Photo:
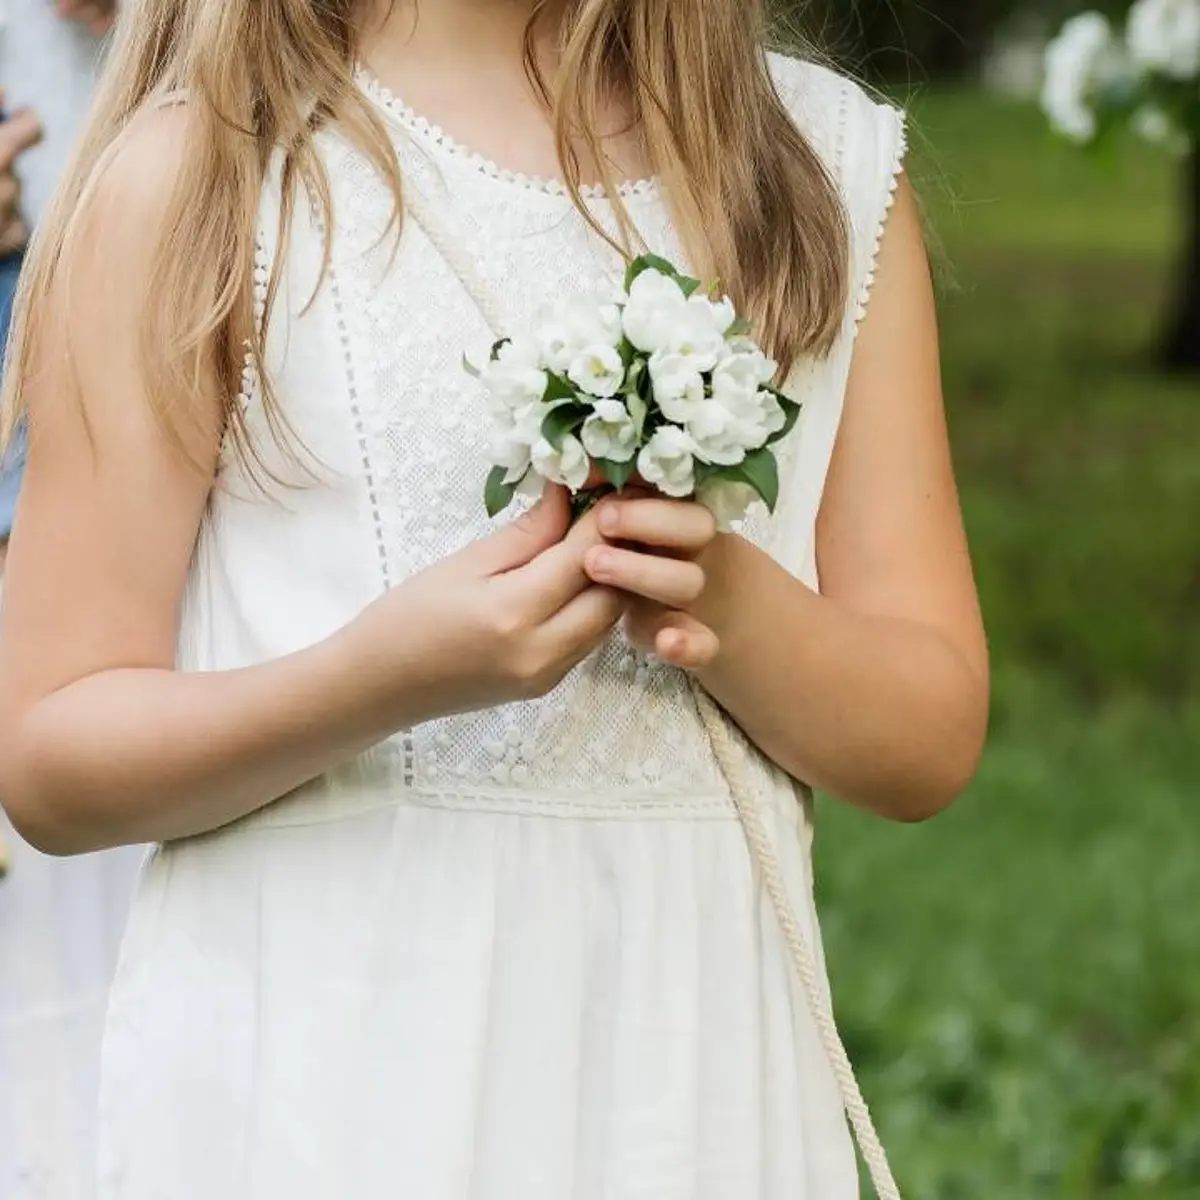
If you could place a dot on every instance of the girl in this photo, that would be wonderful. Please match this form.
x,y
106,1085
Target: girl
x,y
452,898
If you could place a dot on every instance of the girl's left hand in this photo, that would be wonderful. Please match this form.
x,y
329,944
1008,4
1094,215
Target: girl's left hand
x,y
658,550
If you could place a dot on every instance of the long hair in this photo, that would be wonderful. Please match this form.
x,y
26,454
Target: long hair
x,y
749,195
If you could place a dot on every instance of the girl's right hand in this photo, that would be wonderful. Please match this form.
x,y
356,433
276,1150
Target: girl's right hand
x,y
505,619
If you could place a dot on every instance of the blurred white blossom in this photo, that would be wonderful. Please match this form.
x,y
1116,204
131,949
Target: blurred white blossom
x,y
1081,61
1164,35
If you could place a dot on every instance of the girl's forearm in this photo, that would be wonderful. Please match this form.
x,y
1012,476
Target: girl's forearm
x,y
133,755
881,712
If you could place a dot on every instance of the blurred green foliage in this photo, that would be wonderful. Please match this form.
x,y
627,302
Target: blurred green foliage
x,y
903,39
1020,980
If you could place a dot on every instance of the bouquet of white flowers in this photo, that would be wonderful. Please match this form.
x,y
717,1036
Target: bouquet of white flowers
x,y
1097,79
661,382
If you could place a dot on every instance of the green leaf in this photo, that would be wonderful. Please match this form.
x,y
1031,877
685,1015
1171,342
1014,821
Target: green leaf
x,y
638,410
740,328
499,345
558,388
560,421
687,285
471,369
497,494
618,473
761,472
791,412
633,376
649,262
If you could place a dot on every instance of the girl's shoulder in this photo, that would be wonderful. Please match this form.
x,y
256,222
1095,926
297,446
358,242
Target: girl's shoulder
x,y
857,134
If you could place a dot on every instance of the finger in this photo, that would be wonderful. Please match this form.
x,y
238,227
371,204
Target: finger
x,y
556,576
98,16
520,542
677,583
675,637
14,236
10,194
669,524
573,632
19,132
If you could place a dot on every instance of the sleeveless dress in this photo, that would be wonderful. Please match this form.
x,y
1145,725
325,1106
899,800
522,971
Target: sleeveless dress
x,y
519,954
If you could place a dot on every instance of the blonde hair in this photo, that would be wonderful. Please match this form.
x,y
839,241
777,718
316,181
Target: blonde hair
x,y
750,196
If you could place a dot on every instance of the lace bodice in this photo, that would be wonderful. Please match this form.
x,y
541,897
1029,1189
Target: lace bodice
x,y
369,370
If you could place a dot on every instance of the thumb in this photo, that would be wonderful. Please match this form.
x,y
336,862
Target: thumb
x,y
18,132
543,526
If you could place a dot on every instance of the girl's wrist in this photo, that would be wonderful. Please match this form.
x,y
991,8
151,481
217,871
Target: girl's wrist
x,y
379,686
725,563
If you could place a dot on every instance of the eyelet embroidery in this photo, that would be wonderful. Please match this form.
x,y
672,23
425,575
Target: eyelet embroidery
x,y
416,124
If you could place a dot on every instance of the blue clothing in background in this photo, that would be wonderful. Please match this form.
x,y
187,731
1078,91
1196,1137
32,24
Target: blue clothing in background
x,y
10,468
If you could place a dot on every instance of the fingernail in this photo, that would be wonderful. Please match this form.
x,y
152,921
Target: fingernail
x,y
608,519
601,562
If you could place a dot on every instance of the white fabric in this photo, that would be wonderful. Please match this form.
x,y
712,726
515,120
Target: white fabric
x,y
517,955
60,926
60,920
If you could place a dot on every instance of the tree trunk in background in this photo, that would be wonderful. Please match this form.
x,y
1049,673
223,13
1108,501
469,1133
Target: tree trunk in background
x,y
1182,349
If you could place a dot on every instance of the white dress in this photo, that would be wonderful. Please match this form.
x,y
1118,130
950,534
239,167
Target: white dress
x,y
515,955
61,920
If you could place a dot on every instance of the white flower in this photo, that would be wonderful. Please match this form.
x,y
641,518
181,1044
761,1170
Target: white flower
x,y
725,433
597,370
574,328
1164,35
1079,62
514,432
740,375
569,466
721,312
511,453
698,337
678,386
718,434
610,432
772,418
654,312
727,500
514,378
667,461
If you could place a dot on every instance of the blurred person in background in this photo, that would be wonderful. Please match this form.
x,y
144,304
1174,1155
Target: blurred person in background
x,y
60,920
18,133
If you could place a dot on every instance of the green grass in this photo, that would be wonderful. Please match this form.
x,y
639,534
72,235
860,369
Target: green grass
x,y
1020,980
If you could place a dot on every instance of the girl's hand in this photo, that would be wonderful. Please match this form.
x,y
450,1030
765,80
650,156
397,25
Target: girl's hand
x,y
659,551
504,619
97,15
18,133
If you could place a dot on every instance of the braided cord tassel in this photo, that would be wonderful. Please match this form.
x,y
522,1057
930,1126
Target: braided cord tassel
x,y
803,960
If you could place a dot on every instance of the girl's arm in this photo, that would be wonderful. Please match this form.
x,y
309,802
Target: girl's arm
x,y
876,690
101,741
